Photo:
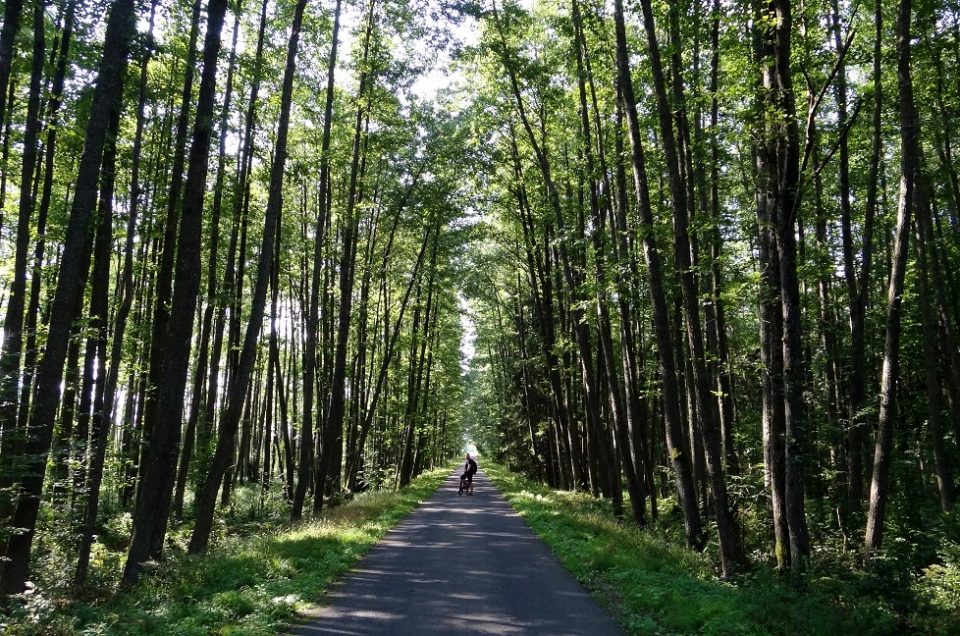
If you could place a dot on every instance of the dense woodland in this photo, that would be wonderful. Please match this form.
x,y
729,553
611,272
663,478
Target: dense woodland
x,y
696,258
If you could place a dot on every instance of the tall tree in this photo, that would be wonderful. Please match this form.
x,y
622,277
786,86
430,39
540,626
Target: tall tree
x,y
782,160
312,320
8,35
333,422
239,382
686,494
910,167
158,469
10,357
706,407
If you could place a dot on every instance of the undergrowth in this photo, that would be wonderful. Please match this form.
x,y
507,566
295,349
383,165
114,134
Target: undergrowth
x,y
654,585
250,584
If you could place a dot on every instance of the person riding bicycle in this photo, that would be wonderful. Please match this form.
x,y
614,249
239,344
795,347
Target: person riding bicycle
x,y
466,479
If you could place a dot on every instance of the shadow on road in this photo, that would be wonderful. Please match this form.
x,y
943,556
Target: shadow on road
x,y
460,565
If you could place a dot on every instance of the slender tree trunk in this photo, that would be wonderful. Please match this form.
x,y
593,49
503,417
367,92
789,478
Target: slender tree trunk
x,y
391,337
273,368
910,160
686,492
783,161
8,37
706,408
617,400
310,349
158,470
93,455
12,422
728,412
53,125
203,356
931,366
10,357
333,422
164,276
239,382
5,150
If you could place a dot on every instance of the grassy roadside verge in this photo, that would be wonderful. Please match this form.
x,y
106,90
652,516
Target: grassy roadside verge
x,y
651,585
254,585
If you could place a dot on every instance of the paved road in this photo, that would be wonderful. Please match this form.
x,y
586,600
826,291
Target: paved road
x,y
460,565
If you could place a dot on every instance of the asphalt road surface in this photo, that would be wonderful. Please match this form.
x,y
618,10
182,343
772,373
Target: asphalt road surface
x,y
460,565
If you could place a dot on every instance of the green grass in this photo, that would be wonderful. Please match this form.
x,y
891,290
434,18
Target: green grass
x,y
653,585
249,585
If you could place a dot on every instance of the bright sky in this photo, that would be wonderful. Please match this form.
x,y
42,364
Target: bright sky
x,y
468,332
441,76
426,88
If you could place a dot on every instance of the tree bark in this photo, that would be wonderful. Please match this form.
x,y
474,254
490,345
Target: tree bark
x,y
910,160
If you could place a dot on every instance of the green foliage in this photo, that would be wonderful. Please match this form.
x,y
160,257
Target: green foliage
x,y
255,584
653,585
940,583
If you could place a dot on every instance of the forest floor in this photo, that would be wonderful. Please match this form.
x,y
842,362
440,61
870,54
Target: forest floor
x,y
461,565
267,575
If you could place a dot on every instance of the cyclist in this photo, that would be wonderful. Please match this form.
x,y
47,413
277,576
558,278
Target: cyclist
x,y
466,479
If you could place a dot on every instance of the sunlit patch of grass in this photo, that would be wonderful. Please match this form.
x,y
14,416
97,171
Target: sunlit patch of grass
x,y
651,584
251,585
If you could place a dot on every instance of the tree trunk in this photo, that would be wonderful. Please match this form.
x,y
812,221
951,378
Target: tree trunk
x,y
238,387
333,422
728,412
312,319
13,322
158,468
203,355
164,276
910,160
94,453
53,125
8,38
931,366
12,422
617,399
686,492
782,159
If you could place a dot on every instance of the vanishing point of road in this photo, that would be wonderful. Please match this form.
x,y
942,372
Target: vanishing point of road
x,y
460,565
